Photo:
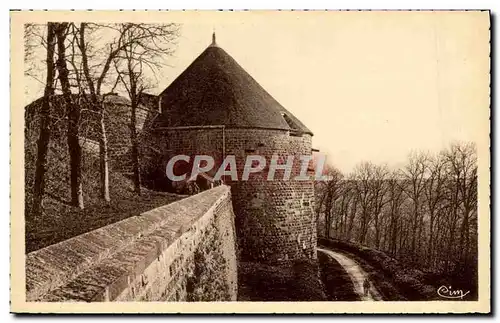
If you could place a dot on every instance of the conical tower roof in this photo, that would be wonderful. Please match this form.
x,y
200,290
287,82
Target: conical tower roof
x,y
216,90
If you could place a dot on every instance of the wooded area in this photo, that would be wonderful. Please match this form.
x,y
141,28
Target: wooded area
x,y
424,214
85,63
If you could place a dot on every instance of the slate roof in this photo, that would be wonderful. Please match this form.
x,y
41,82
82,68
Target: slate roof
x,y
216,90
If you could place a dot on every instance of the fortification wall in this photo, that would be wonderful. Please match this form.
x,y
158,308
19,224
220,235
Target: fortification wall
x,y
191,142
117,123
274,219
119,143
184,251
161,145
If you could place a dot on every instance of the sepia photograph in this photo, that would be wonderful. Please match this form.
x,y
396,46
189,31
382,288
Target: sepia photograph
x,y
250,161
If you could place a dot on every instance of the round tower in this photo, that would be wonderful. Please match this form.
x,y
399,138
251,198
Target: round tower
x,y
216,108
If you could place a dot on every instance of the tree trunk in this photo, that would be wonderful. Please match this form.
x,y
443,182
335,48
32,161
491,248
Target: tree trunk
x,y
45,124
451,237
464,228
352,217
449,248
103,156
377,232
327,222
414,231
73,110
344,213
394,235
328,213
430,246
135,147
364,227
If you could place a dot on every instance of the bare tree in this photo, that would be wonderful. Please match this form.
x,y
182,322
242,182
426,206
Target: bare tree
x,y
346,200
30,45
395,201
434,194
74,113
44,138
362,180
414,174
462,161
94,86
353,209
147,46
379,188
424,214
331,193
97,63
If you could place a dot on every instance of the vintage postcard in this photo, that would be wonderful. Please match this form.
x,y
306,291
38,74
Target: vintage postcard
x,y
250,162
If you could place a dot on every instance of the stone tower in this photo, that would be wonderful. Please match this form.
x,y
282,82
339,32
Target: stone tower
x,y
216,108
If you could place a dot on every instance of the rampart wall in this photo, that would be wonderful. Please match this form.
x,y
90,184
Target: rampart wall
x,y
184,251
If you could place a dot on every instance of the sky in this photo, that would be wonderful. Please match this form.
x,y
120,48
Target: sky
x,y
372,86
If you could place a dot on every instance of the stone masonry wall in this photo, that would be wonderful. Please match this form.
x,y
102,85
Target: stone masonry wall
x,y
162,145
274,219
191,142
184,251
119,143
117,122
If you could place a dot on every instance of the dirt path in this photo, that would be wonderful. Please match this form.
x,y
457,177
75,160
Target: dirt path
x,y
357,274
